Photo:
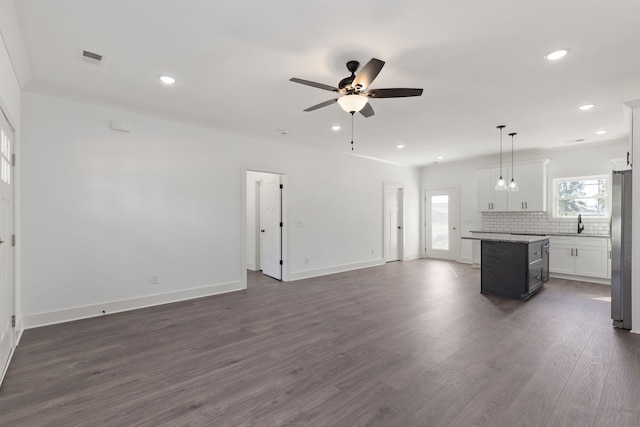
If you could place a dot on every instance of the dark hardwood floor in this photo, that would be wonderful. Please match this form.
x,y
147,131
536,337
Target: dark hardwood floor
x,y
406,344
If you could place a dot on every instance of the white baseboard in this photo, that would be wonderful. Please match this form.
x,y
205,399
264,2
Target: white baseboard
x,y
306,274
409,257
581,278
95,310
251,266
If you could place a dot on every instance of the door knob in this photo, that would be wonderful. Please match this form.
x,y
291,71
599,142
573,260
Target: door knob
x,y
399,228
262,231
454,228
1,241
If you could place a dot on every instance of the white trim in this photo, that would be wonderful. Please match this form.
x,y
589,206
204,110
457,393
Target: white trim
x,y
95,310
581,278
285,219
409,257
307,274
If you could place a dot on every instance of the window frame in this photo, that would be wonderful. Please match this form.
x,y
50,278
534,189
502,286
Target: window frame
x,y
555,182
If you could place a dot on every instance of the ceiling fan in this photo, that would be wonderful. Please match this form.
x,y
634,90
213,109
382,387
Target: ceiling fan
x,y
355,89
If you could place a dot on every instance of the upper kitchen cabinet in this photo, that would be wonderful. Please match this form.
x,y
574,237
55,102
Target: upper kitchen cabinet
x,y
532,194
531,197
490,200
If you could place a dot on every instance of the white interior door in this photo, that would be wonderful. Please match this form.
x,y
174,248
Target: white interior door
x,y
271,207
442,234
6,248
393,219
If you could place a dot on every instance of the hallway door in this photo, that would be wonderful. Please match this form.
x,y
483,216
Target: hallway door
x,y
271,226
393,219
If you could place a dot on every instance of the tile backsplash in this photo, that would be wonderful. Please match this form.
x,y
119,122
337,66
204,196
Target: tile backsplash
x,y
536,223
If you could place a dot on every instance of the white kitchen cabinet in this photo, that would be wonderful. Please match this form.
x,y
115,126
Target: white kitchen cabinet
x,y
531,197
579,256
561,255
490,200
532,194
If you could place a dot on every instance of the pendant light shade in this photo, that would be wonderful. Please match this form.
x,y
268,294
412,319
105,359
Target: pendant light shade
x,y
352,103
501,185
513,186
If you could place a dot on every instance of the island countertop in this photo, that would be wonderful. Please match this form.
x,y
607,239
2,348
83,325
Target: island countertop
x,y
513,238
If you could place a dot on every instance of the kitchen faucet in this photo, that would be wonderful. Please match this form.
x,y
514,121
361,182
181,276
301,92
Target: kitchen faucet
x,y
580,224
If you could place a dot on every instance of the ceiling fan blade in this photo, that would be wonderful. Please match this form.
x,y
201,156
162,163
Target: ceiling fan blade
x,y
367,111
368,73
322,104
314,84
393,93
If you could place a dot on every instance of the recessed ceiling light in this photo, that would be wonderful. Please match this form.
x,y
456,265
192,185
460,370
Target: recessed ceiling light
x,y
168,80
601,132
439,157
400,146
335,127
586,107
554,56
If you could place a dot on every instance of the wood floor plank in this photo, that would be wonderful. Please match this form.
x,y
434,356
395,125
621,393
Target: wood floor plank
x,y
408,344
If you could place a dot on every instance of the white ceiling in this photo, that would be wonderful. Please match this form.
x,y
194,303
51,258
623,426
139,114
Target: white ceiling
x,y
481,64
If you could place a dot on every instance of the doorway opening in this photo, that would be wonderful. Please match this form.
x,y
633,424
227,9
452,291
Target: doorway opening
x,y
265,223
441,223
393,233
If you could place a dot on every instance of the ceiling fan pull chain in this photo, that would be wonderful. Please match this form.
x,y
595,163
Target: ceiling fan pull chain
x,y
352,130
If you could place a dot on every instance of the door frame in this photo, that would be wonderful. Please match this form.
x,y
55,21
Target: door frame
x,y
398,186
285,235
455,193
16,330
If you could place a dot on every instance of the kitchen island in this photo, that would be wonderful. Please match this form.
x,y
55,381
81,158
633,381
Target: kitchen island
x,y
513,266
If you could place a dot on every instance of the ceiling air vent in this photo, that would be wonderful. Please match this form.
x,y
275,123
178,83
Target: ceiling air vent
x,y
91,57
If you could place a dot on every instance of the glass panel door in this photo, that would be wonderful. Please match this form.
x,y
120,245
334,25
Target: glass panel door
x,y
441,224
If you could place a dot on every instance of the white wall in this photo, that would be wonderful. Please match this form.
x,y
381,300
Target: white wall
x,y
104,210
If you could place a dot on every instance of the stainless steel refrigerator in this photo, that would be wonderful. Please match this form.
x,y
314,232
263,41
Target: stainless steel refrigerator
x,y
621,249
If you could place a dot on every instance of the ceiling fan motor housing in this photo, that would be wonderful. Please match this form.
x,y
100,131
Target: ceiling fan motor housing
x,y
352,66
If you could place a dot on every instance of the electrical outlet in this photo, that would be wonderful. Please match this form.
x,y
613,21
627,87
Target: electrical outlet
x,y
155,279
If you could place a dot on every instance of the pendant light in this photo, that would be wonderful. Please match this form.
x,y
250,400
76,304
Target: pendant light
x,y
501,185
512,185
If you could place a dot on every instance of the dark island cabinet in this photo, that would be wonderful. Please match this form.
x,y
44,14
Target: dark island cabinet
x,y
514,269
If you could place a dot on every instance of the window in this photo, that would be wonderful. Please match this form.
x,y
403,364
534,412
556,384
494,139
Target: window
x,y
5,156
440,222
585,195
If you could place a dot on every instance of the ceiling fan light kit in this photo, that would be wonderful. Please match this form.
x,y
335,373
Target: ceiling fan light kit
x,y
352,103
